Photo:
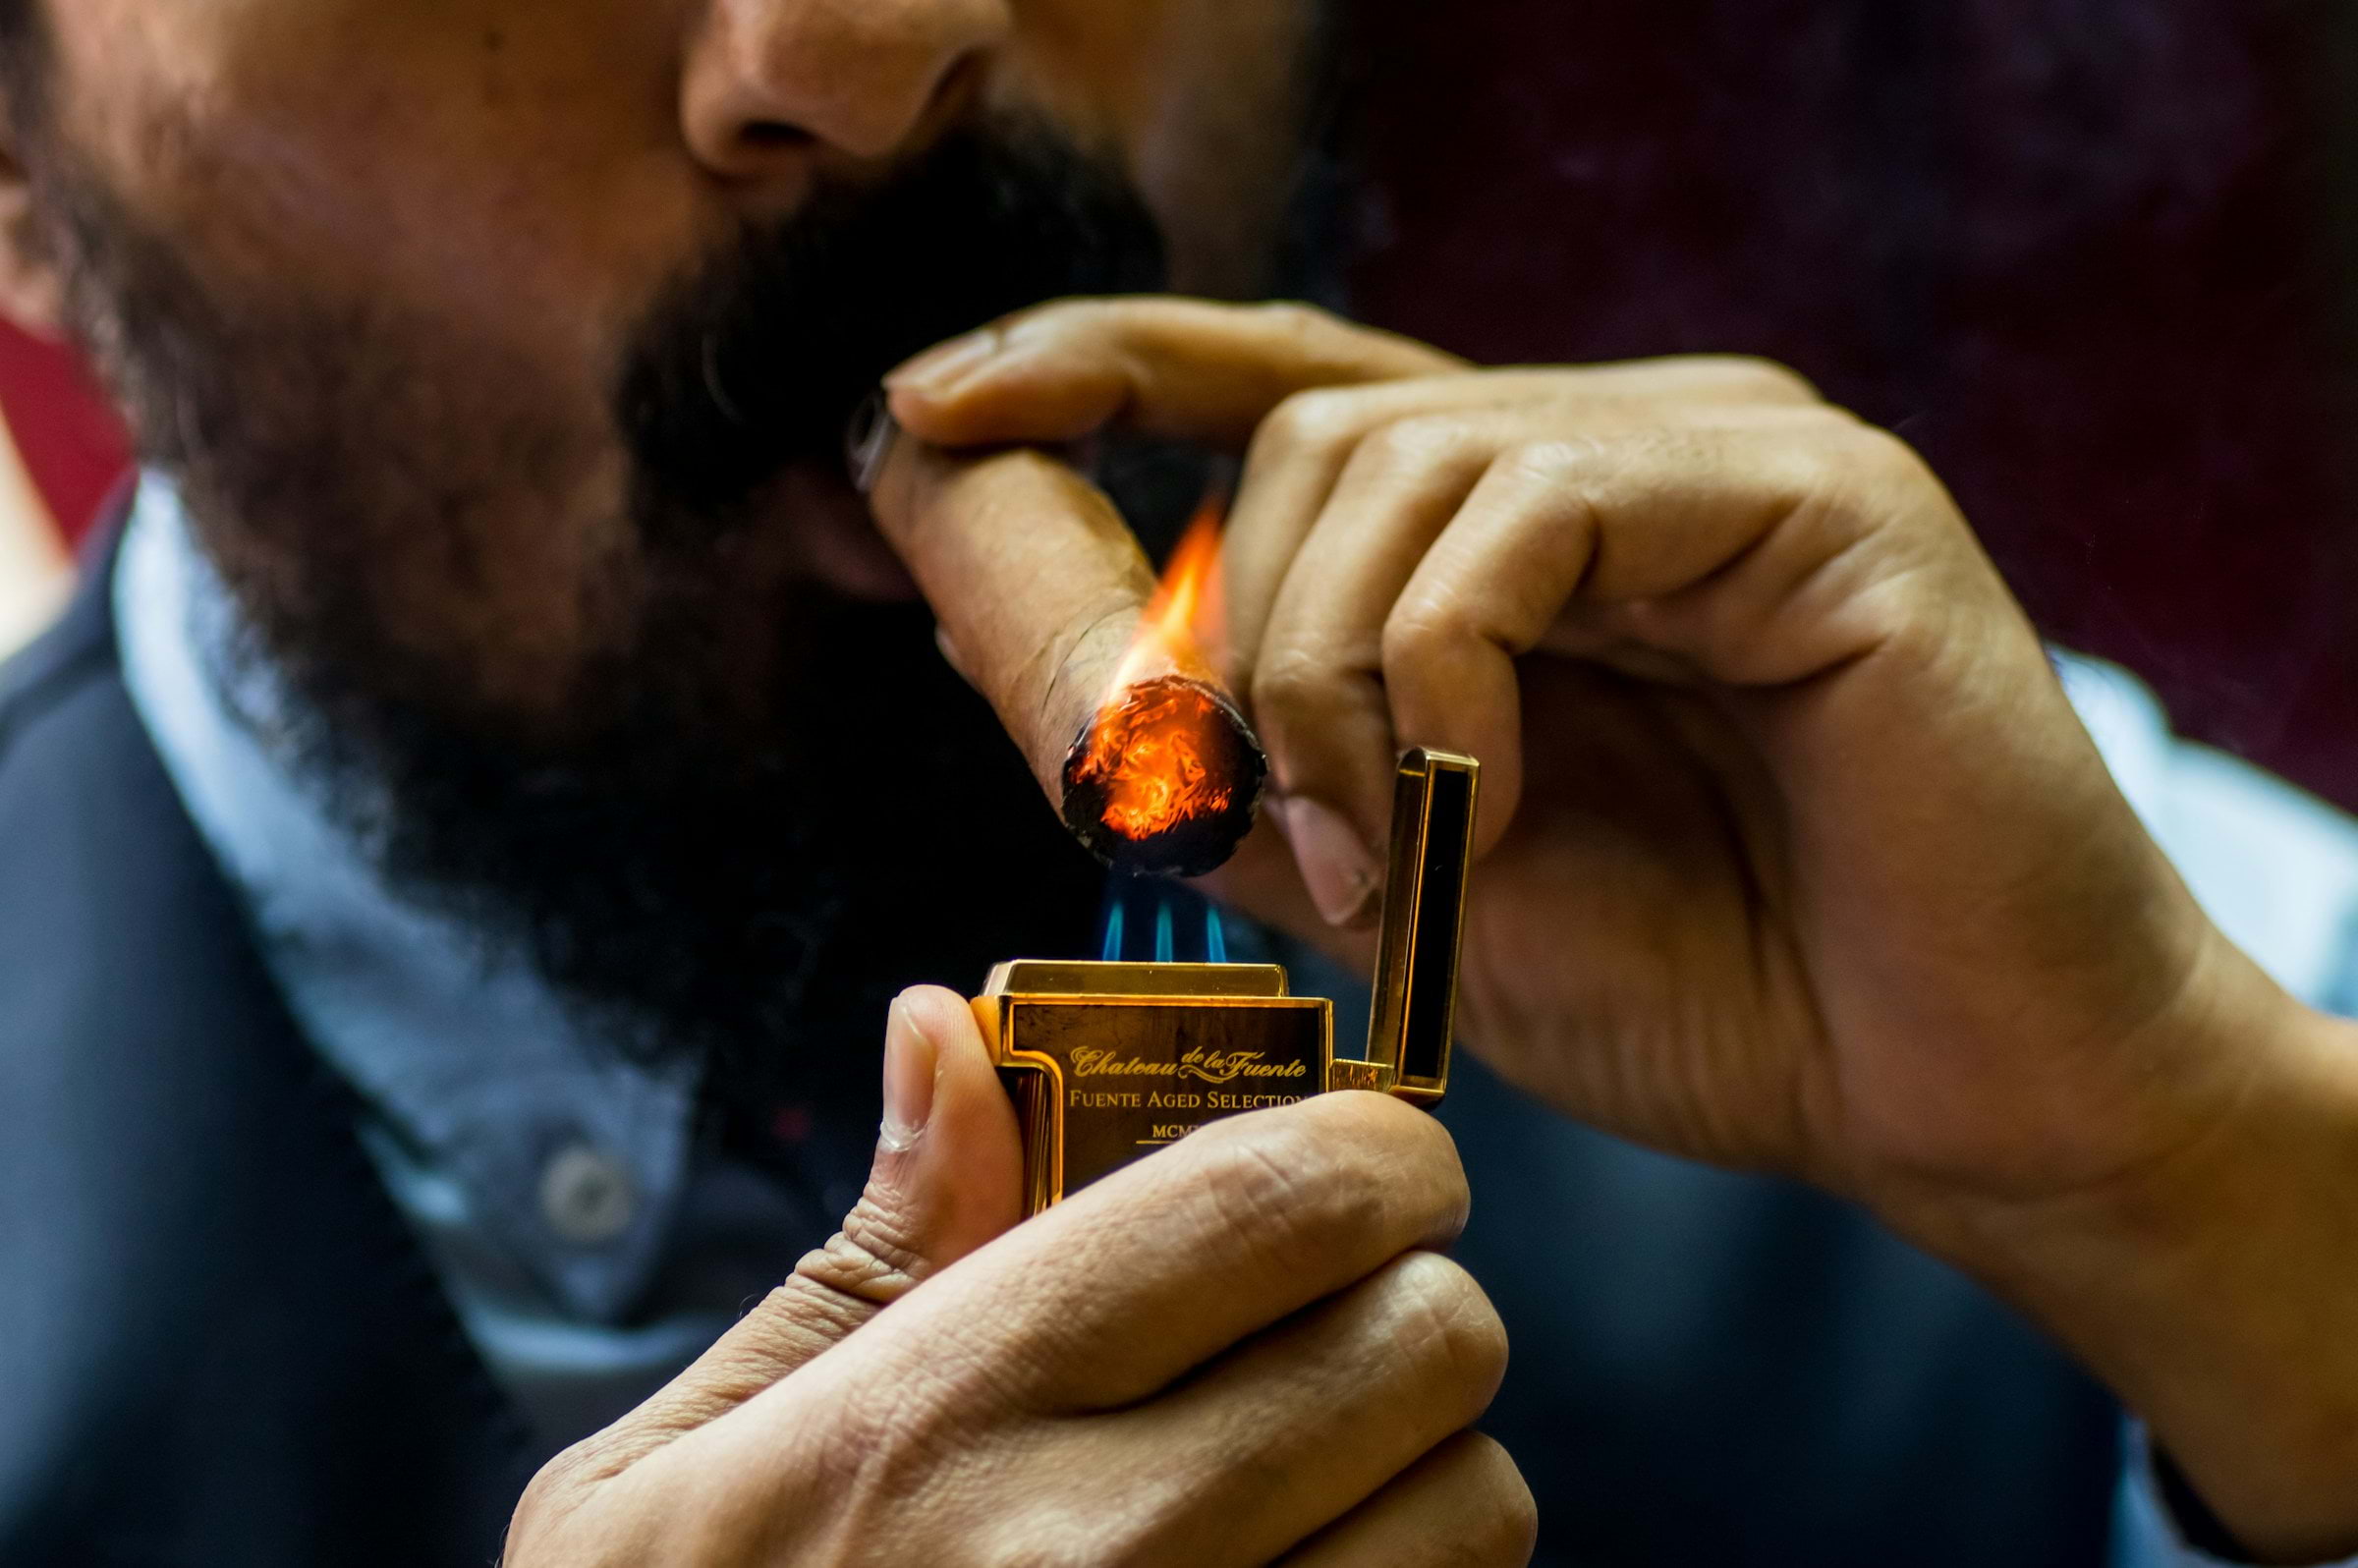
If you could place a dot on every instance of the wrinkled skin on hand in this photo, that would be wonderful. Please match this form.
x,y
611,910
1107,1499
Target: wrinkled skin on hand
x,y
1795,856
1241,1351
1776,774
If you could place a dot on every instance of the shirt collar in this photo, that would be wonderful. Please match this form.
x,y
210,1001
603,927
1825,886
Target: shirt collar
x,y
571,1157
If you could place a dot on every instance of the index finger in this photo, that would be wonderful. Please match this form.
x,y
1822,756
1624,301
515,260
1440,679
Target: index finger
x,y
1189,370
1163,1266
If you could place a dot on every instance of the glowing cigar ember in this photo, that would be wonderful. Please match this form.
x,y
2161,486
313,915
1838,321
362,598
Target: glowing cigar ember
x,y
1166,775
1102,676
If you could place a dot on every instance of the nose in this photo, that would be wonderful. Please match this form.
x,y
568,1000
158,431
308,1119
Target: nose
x,y
767,79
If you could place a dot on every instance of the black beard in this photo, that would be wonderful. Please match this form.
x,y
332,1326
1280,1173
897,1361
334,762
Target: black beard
x,y
755,905
727,845
761,357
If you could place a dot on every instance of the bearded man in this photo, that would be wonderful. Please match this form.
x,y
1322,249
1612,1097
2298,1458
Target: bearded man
x,y
459,847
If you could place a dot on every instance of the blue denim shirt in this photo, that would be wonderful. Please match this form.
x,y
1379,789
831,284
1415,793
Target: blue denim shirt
x,y
591,1252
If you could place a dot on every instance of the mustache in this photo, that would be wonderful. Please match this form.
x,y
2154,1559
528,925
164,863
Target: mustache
x,y
756,359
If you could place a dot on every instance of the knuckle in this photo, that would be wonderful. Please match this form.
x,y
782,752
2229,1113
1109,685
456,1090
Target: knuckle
x,y
1464,1336
1390,1135
1853,443
1883,451
1414,441
1305,424
1278,1182
1762,378
555,1494
1553,460
1091,314
535,1505
1509,1529
1416,633
1291,680
1296,319
821,1298
1054,321
1866,466
1374,1144
878,1246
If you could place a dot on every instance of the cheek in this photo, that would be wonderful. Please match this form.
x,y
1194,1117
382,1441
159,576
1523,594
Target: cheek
x,y
1204,99
482,224
511,166
1131,65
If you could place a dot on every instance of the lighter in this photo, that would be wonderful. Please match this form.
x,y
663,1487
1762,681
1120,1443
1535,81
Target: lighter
x,y
1109,1062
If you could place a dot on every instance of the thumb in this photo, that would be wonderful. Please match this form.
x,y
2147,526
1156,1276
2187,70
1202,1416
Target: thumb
x,y
948,1172
948,1178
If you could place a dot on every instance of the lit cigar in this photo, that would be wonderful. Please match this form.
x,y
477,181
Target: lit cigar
x,y
1052,612
1108,1062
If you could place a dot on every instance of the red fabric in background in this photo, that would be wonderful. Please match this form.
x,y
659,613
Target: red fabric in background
x,y
71,441
2072,249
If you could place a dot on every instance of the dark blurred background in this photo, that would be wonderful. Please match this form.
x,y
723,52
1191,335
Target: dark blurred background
x,y
2097,258
2083,253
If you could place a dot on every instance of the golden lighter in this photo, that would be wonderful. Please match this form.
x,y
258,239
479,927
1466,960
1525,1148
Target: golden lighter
x,y
1108,1062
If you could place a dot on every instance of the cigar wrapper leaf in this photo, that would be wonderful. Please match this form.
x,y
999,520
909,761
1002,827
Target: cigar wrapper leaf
x,y
1041,590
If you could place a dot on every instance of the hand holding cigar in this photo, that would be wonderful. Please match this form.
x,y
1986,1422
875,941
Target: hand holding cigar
x,y
1791,851
1051,608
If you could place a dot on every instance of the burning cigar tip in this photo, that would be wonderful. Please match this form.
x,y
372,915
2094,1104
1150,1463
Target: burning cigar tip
x,y
1049,607
1166,780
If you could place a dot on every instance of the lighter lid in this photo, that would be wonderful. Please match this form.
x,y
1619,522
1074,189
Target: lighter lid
x,y
1415,1004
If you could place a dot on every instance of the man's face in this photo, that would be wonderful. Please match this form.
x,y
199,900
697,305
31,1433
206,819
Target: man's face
x,y
511,190
503,350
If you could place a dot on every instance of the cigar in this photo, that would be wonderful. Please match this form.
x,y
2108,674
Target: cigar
x,y
1050,609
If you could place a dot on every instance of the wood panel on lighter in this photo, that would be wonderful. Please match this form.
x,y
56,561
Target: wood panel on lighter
x,y
35,574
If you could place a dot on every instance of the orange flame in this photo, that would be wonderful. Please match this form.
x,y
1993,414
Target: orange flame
x,y
1148,754
1183,625
1148,744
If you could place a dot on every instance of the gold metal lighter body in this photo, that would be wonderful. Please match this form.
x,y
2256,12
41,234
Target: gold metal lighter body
x,y
1108,1062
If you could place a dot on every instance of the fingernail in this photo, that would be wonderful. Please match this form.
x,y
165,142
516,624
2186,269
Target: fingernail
x,y
909,1062
949,653
940,368
868,442
1336,864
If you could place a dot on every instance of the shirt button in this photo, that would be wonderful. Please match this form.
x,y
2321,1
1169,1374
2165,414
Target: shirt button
x,y
586,1195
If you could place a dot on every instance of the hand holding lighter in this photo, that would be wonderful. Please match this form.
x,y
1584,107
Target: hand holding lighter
x,y
1108,1062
